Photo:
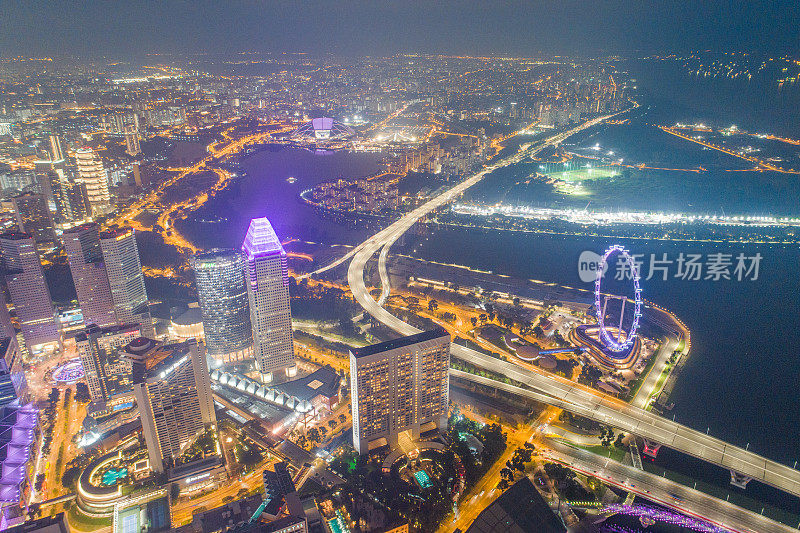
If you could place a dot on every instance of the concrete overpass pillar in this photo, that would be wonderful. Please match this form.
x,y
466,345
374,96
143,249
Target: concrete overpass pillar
x,y
739,480
650,449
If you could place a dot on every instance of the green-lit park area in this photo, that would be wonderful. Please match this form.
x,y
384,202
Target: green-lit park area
x,y
583,173
568,177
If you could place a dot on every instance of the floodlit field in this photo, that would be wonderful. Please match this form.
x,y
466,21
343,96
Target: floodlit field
x,y
582,174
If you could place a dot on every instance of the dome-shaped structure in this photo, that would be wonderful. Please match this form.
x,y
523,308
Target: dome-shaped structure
x,y
323,128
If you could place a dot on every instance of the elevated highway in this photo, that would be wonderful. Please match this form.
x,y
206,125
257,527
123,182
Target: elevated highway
x,y
551,389
686,500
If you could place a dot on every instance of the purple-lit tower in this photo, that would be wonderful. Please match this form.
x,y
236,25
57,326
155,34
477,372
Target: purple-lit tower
x,y
267,280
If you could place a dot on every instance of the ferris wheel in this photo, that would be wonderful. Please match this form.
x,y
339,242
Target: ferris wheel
x,y
616,342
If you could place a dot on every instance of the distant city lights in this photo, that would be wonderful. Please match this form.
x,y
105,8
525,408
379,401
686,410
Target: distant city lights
x,y
602,218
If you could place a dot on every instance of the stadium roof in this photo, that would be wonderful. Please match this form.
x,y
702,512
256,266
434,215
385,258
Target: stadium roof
x,y
323,128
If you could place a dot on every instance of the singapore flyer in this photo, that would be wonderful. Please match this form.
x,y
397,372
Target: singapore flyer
x,y
618,343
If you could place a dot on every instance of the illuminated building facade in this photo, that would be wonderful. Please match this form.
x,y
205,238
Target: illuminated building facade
x,y
108,372
13,384
397,386
323,128
88,269
132,147
33,216
267,280
93,175
28,289
125,278
221,288
76,201
173,392
19,438
49,178
63,190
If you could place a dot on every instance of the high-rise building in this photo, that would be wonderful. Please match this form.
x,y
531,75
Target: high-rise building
x,y
56,153
93,175
173,392
48,175
108,371
52,178
281,501
125,277
267,281
221,288
13,384
7,328
123,123
137,176
19,440
18,180
65,192
88,269
520,508
33,217
28,289
399,386
132,144
51,524
77,206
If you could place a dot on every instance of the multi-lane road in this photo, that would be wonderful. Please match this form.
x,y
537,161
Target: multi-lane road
x,y
613,412
548,388
660,490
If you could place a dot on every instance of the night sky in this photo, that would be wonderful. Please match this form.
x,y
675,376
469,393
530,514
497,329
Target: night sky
x,y
134,28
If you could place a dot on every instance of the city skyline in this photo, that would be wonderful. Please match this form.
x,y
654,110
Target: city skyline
x,y
399,267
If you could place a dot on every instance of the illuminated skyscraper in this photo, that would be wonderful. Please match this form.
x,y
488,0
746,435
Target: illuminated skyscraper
x,y
64,190
93,175
223,301
108,372
48,179
173,392
125,277
28,289
88,269
33,216
132,144
398,386
77,206
6,325
267,281
13,384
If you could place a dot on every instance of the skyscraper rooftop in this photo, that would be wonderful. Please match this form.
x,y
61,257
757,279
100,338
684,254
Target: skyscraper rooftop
x,y
433,333
261,240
